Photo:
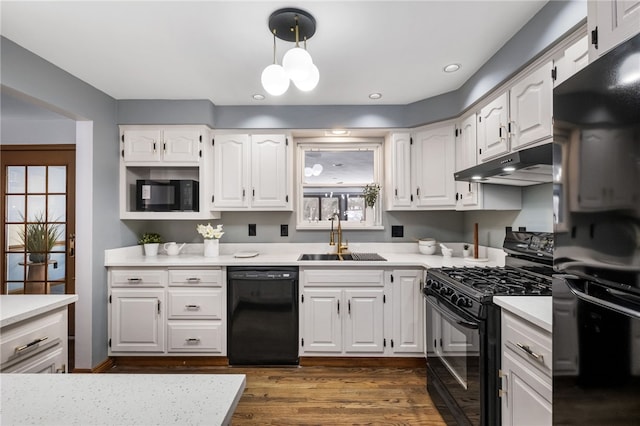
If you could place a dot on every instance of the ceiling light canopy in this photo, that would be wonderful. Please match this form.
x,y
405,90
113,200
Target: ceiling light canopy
x,y
292,25
452,68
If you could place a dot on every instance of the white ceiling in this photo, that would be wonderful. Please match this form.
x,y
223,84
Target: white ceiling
x,y
217,50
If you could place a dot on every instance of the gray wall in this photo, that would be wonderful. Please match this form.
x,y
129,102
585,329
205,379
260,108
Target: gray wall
x,y
28,74
30,132
536,215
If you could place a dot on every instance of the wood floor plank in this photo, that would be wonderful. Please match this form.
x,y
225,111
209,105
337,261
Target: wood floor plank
x,y
319,395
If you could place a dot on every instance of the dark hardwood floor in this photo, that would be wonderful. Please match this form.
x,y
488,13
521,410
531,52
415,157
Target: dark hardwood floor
x,y
323,395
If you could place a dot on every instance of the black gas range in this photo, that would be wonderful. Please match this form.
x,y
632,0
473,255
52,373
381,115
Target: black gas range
x,y
463,325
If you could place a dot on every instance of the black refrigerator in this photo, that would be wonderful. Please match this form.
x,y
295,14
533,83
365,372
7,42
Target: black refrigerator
x,y
596,207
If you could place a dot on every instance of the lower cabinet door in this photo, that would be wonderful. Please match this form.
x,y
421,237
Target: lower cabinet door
x,y
527,394
364,323
49,362
194,336
321,321
137,320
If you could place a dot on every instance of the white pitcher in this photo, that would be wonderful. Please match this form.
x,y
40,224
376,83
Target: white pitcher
x,y
172,248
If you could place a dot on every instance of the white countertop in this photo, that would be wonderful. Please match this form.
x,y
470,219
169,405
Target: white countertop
x,y
15,308
120,399
287,254
536,309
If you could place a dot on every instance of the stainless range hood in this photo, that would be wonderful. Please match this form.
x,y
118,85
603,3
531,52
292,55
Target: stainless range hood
x,y
530,166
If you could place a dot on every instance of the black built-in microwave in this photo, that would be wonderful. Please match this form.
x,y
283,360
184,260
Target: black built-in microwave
x,y
167,195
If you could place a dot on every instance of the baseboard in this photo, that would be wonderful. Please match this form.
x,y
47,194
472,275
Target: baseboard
x,y
386,362
171,361
105,365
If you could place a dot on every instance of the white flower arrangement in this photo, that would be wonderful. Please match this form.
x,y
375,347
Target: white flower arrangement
x,y
209,232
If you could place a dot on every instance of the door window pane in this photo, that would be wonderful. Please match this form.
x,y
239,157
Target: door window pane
x,y
36,205
36,179
15,208
57,179
15,179
57,208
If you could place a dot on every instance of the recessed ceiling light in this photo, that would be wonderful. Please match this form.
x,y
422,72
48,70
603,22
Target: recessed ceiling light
x,y
375,96
452,68
339,132
258,97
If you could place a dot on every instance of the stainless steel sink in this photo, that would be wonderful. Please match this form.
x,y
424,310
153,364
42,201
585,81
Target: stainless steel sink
x,y
350,256
324,256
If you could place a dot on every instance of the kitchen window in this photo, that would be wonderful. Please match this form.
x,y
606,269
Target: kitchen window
x,y
331,176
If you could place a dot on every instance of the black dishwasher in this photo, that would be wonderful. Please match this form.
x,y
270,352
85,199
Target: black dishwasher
x,y
262,315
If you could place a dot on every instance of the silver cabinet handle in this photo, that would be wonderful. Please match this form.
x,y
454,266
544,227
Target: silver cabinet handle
x,y
29,345
192,340
193,280
526,349
134,280
194,307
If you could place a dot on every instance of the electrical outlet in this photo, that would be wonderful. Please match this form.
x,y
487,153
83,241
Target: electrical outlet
x,y
284,230
252,229
397,231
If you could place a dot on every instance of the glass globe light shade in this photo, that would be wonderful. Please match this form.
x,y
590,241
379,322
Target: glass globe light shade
x,y
275,80
308,171
297,63
316,170
310,82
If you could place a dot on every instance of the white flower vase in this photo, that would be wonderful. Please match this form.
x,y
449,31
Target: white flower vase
x,y
370,216
211,248
151,249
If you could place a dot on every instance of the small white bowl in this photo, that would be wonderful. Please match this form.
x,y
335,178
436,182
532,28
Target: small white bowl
x,y
427,242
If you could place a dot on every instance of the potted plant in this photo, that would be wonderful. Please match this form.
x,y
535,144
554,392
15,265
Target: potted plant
x,y
151,241
39,238
370,193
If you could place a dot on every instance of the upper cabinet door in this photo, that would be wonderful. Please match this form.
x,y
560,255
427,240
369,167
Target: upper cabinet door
x,y
434,160
230,180
492,129
466,143
573,59
142,145
269,171
399,171
531,105
182,146
614,22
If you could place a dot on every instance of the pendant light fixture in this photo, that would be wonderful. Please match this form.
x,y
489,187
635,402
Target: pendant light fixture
x,y
292,25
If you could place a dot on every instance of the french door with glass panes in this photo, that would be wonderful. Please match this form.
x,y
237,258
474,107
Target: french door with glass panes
x,y
38,214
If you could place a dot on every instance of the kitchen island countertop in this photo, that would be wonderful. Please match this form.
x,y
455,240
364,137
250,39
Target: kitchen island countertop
x,y
120,399
18,307
535,309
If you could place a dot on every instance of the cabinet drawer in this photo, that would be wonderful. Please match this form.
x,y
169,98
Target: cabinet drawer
x,y
195,336
50,361
528,341
22,341
196,277
195,304
342,278
138,277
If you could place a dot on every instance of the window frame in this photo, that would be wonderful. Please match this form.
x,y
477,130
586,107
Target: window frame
x,y
303,145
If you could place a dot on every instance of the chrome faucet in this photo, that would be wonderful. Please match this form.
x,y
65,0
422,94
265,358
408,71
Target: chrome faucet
x,y
341,248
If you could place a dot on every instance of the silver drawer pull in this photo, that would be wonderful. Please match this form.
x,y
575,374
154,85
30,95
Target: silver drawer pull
x,y
193,280
192,340
526,349
33,344
134,280
192,306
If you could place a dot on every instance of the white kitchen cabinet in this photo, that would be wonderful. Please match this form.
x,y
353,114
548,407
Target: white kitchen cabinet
x,y
420,169
477,196
492,128
519,117
526,392
165,153
342,312
36,344
251,172
159,145
609,23
408,311
398,154
571,60
531,108
159,311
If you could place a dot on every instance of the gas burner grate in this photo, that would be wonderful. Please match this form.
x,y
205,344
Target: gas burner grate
x,y
499,280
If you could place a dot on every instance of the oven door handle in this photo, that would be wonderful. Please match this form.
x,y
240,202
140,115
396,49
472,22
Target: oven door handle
x,y
453,317
601,302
